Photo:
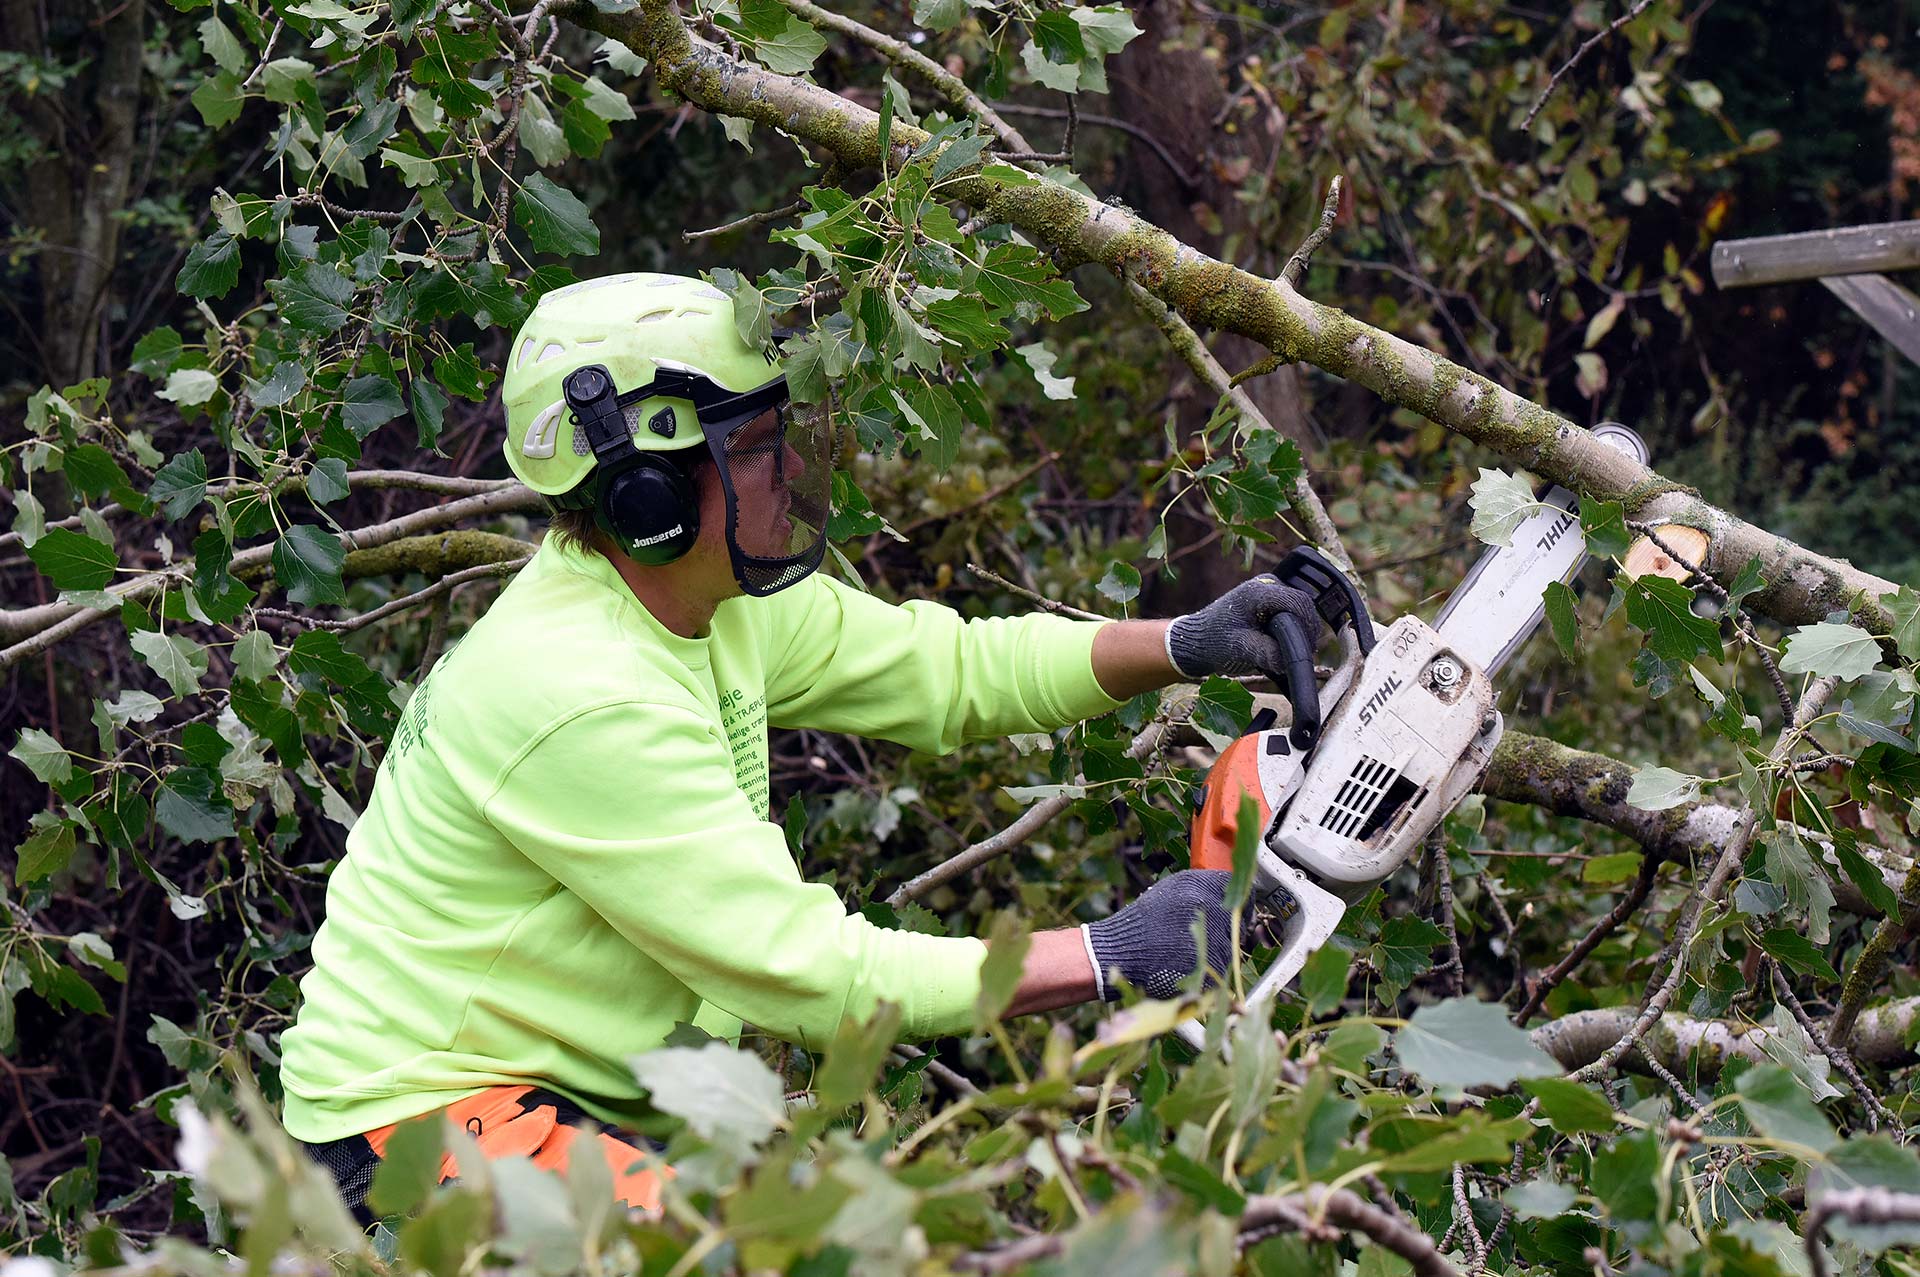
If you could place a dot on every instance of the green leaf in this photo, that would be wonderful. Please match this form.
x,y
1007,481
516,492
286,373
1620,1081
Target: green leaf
x,y
255,657
1501,502
752,317
1790,868
1572,1108
192,808
1664,610
212,267
1780,1108
409,1166
1121,582
1867,877
429,412
313,298
1658,788
286,80
1828,649
1561,618
307,562
855,1057
1463,1042
459,372
223,46
555,220
1605,871
1007,944
794,50
1798,952
727,1097
92,471
1404,951
1323,980
327,481
543,137
181,484
1063,77
1423,1145
1748,581
73,560
1016,277
178,660
1247,833
1604,524
1539,1199
1626,1177
368,403
189,386
218,99
45,852
282,384
1904,605
44,756
1041,360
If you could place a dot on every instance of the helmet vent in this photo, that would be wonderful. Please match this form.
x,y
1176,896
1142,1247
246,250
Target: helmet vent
x,y
526,348
665,281
590,341
711,291
654,316
540,432
551,349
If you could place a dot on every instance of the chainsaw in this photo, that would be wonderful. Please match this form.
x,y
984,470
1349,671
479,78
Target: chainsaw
x,y
1398,735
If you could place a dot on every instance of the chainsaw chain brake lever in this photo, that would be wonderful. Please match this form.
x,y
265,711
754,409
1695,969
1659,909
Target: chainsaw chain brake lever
x,y
1337,601
1334,596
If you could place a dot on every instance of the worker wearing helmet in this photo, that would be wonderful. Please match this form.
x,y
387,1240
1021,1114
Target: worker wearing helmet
x,y
567,851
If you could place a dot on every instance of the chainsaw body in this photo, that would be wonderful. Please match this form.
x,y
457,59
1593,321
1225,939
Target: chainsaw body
x,y
1411,726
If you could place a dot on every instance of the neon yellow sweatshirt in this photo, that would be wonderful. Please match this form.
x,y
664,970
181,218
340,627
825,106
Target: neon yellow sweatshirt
x,y
568,850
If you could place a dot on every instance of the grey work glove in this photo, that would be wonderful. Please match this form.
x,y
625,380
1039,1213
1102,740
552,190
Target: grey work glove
x,y
1229,635
1150,942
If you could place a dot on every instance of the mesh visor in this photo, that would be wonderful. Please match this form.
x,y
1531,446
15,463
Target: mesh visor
x,y
776,469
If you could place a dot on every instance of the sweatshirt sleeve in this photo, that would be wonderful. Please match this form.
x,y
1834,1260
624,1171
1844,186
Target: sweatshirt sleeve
x,y
919,675
680,865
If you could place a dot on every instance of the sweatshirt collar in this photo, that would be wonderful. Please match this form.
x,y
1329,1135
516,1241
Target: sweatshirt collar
x,y
691,652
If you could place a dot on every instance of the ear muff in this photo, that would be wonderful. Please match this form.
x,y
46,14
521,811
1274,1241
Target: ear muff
x,y
646,503
650,507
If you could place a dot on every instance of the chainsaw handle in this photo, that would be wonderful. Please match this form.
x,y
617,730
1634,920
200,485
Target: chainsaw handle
x,y
1296,668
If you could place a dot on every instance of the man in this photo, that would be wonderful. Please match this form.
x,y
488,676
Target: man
x,y
567,850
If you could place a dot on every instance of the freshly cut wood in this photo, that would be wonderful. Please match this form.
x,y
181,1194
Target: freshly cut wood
x,y
1644,558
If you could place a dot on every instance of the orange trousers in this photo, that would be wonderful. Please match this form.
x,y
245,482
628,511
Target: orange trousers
x,y
517,1121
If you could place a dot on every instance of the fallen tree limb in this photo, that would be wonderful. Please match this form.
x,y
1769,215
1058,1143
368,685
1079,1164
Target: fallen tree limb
x,y
1682,1043
38,628
1802,586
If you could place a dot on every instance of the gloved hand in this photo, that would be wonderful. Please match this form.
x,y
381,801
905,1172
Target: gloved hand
x,y
1229,635
1150,942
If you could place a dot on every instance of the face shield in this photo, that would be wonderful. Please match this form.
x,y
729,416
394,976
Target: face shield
x,y
775,463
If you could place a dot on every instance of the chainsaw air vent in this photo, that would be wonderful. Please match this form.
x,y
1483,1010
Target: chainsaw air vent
x,y
1368,800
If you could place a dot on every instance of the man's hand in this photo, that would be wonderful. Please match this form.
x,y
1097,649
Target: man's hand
x,y
1231,634
1150,942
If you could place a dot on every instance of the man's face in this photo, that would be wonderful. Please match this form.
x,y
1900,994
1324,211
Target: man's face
x,y
763,465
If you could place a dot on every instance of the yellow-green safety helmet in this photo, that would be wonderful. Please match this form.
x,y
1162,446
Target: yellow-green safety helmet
x,y
634,325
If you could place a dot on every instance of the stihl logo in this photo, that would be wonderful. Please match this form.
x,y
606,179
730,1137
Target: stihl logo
x,y
1379,698
1551,537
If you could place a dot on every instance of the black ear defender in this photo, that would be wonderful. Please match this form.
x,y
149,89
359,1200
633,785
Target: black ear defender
x,y
646,502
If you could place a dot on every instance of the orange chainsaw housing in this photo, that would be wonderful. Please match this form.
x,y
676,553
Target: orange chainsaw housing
x,y
1216,824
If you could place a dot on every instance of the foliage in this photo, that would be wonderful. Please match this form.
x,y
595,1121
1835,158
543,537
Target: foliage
x,y
230,522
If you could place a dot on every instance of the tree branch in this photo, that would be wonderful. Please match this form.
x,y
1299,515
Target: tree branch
x,y
52,623
1681,1042
1300,494
1802,586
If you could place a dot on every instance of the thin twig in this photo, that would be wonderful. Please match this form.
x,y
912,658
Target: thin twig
x,y
1623,909
1303,256
1443,904
1877,1111
1578,54
1186,179
1046,604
